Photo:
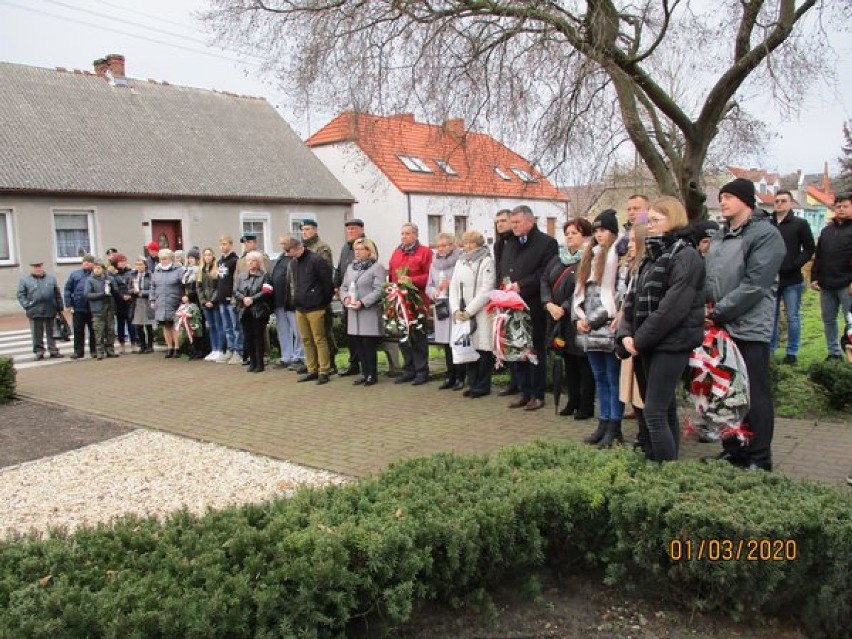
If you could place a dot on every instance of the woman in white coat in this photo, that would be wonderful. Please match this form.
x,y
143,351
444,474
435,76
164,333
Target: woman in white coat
x,y
361,292
472,282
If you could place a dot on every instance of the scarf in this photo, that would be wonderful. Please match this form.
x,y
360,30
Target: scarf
x,y
409,249
653,275
363,265
567,257
308,244
608,285
475,255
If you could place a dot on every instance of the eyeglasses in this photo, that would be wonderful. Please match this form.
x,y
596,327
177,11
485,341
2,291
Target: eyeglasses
x,y
655,220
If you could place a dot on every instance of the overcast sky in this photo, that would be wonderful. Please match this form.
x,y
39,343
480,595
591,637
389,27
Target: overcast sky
x,y
160,40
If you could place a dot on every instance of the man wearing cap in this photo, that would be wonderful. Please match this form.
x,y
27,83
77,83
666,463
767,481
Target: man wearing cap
x,y
742,278
39,296
354,230
799,243
78,304
312,242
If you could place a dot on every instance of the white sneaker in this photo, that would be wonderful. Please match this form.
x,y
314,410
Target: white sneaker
x,y
224,357
236,359
213,356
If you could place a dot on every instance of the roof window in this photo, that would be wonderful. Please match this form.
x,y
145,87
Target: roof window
x,y
525,176
502,174
414,164
445,167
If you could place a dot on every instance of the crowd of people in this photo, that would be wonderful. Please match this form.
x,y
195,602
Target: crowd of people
x,y
621,307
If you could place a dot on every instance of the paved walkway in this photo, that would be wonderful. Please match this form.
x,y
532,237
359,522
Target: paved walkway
x,y
352,429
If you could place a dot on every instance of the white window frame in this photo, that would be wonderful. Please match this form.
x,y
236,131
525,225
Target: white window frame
x,y
445,167
500,172
460,220
258,216
90,222
524,175
10,236
432,237
296,231
414,164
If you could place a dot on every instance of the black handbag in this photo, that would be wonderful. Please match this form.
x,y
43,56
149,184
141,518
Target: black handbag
x,y
442,308
61,330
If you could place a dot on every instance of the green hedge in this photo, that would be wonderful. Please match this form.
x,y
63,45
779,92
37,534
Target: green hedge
x,y
437,529
7,379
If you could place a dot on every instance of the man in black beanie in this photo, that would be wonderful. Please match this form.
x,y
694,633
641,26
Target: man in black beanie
x,y
742,279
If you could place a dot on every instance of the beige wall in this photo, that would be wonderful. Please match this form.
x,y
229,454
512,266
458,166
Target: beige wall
x,y
125,225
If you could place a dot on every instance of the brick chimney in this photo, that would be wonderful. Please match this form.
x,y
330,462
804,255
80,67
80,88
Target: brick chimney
x,y
115,62
100,66
455,127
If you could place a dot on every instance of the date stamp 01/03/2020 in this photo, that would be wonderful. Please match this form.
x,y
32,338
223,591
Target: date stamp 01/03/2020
x,y
720,549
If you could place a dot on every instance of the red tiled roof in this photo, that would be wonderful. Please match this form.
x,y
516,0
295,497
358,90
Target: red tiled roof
x,y
820,196
471,155
755,175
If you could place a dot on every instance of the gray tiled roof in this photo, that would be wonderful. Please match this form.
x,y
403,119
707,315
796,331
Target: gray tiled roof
x,y
67,132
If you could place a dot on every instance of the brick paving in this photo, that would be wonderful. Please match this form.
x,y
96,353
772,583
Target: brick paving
x,y
351,429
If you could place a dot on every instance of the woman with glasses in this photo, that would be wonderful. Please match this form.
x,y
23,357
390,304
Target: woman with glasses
x,y
664,321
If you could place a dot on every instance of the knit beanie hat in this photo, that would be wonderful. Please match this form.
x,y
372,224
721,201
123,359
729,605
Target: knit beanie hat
x,y
741,189
608,220
194,252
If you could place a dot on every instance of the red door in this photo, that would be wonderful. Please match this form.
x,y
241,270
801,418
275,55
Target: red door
x,y
167,233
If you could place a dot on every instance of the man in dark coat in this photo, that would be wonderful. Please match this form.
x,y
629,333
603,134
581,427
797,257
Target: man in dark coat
x,y
39,296
523,260
292,351
799,243
76,302
312,287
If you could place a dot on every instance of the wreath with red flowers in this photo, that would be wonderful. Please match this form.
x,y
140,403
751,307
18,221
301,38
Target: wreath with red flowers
x,y
403,310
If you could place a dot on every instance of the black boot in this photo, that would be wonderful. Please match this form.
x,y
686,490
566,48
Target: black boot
x,y
570,409
598,433
448,383
612,435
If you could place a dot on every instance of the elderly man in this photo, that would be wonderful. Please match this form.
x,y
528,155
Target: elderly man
x,y
523,261
410,263
75,300
39,296
312,287
742,275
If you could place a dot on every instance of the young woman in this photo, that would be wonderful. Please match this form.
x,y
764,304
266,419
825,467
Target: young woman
x,y
208,299
597,295
361,292
664,320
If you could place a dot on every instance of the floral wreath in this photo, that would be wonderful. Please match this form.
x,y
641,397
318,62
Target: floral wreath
x,y
403,309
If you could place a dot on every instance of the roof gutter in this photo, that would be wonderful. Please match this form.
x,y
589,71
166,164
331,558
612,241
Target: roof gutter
x,y
124,195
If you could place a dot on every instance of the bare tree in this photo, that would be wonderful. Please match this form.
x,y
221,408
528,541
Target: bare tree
x,y
577,78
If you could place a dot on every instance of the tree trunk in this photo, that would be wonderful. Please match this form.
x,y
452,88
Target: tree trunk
x,y
689,181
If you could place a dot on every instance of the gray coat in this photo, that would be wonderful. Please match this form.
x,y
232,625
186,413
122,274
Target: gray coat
x,y
367,286
39,296
441,266
742,277
96,292
473,279
166,291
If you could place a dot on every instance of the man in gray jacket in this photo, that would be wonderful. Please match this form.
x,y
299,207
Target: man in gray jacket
x,y
742,281
38,294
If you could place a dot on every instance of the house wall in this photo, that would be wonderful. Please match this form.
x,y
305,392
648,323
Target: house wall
x,y
125,225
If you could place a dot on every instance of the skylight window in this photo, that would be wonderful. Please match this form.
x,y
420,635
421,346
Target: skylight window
x,y
525,176
445,167
414,164
502,174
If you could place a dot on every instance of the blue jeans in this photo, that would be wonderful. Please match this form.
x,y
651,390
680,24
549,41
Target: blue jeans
x,y
831,301
231,327
214,328
792,296
607,371
289,339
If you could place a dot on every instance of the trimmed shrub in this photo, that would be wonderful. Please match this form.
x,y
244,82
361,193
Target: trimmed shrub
x,y
7,379
835,376
439,528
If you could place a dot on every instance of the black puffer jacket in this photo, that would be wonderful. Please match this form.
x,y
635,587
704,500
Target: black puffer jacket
x,y
832,267
314,285
281,285
677,321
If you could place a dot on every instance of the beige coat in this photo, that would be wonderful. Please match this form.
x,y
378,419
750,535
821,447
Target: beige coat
x,y
474,280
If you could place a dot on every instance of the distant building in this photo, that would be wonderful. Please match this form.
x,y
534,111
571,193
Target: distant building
x,y
98,160
442,177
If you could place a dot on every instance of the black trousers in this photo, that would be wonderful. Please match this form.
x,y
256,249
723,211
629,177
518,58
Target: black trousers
x,y
415,355
580,383
254,330
354,349
760,419
531,378
145,335
479,373
658,375
80,321
455,372
366,348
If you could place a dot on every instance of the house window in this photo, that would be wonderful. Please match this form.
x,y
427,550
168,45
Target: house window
x,y
414,163
502,174
256,222
460,226
296,220
73,232
525,176
6,255
445,167
434,224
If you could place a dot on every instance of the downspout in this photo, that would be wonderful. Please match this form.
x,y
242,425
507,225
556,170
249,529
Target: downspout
x,y
408,200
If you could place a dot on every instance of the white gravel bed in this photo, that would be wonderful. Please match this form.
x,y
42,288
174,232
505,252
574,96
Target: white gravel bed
x,y
144,473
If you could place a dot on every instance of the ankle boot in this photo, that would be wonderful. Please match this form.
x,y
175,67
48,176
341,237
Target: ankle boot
x,y
598,433
612,435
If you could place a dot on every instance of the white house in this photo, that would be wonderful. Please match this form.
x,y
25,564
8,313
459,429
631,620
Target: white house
x,y
441,177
